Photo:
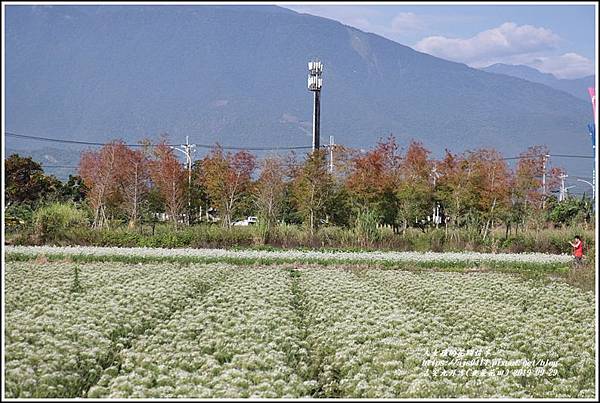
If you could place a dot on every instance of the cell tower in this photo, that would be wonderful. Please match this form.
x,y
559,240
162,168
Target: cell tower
x,y
315,82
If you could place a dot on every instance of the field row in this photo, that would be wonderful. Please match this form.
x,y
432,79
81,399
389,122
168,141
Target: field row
x,y
423,259
172,330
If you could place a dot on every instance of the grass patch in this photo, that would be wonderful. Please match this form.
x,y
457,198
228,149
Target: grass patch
x,y
286,237
584,278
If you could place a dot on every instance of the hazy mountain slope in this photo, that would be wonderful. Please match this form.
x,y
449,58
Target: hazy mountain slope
x,y
577,87
237,75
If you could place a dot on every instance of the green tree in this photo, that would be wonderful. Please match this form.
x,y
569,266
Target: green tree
x,y
339,206
227,179
200,202
152,205
74,190
26,181
373,179
289,210
312,189
268,194
415,189
570,211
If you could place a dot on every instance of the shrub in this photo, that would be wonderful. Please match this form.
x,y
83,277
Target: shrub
x,y
366,229
53,221
289,236
335,236
436,240
17,217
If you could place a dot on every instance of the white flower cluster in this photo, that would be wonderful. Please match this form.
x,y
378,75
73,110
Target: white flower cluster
x,y
221,331
241,339
58,337
371,331
447,257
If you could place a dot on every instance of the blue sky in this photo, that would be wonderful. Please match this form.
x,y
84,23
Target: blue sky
x,y
557,38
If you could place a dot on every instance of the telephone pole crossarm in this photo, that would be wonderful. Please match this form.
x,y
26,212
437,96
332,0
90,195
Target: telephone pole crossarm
x,y
187,150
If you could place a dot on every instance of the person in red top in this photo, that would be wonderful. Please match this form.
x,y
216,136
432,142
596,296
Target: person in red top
x,y
577,250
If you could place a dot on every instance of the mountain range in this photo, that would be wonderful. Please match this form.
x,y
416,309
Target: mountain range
x,y
578,87
237,75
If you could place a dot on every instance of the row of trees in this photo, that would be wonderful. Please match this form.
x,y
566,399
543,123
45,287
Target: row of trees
x,y
28,185
399,188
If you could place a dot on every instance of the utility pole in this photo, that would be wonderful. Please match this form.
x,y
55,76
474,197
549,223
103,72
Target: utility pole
x,y
315,82
592,129
562,194
436,216
435,174
187,150
331,144
546,156
436,209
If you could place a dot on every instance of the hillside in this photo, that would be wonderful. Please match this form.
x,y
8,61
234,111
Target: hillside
x,y
237,75
577,87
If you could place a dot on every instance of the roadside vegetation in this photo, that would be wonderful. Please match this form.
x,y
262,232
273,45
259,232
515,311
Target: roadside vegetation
x,y
351,280
388,198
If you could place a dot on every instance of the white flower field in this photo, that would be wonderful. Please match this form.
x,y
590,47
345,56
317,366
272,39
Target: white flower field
x,y
127,330
416,257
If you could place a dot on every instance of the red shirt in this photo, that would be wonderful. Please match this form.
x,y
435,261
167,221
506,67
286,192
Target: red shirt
x,y
578,249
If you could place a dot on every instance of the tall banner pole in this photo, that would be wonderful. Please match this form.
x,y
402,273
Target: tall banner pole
x,y
592,129
594,124
592,92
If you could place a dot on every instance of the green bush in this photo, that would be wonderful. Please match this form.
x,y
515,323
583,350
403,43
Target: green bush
x,y
52,222
290,236
437,240
214,236
17,217
366,229
335,236
63,224
121,237
18,224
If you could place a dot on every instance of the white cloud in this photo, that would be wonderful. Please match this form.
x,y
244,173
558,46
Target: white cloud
x,y
508,39
356,16
568,65
508,43
370,19
404,22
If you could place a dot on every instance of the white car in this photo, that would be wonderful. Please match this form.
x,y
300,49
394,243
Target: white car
x,y
248,221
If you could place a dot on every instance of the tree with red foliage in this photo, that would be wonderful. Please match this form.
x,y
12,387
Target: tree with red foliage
x,y
227,178
489,186
132,177
474,188
373,178
169,177
269,192
98,171
528,177
415,187
553,180
450,183
312,188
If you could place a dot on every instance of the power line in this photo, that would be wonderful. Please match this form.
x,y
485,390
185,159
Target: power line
x,y
572,156
39,138
208,146
551,155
